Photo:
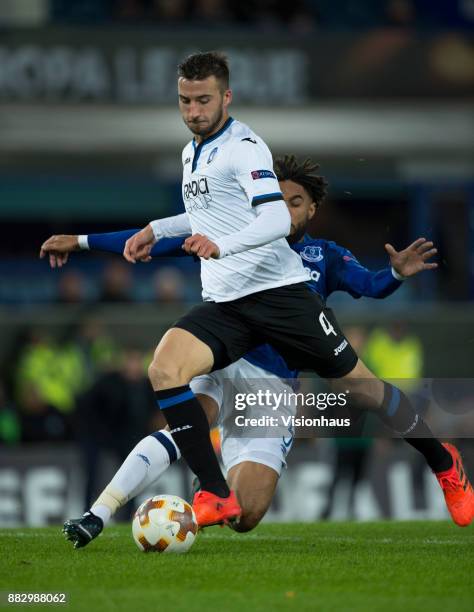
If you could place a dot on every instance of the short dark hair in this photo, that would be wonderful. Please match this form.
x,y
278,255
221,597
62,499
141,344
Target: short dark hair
x,y
288,168
200,66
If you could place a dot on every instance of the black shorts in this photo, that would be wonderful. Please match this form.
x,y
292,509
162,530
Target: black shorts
x,y
293,319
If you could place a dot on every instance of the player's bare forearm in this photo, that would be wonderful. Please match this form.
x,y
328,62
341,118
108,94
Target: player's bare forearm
x,y
413,259
57,248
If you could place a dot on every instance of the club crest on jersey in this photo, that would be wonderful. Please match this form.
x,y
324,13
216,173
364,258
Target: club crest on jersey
x,y
312,253
261,174
212,154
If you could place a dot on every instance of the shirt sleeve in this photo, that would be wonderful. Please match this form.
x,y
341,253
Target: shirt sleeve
x,y
346,273
114,242
272,222
170,227
253,168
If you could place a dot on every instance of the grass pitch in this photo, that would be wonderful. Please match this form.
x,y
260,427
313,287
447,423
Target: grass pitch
x,y
322,566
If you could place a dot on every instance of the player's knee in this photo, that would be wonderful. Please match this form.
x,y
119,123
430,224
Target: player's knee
x,y
247,523
250,518
165,375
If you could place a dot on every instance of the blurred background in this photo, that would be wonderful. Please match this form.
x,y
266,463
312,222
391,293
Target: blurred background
x,y
379,92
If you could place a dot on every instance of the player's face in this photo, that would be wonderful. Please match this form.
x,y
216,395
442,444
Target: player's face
x,y
203,105
301,207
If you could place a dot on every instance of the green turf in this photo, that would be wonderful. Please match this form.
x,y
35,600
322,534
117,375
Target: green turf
x,y
387,566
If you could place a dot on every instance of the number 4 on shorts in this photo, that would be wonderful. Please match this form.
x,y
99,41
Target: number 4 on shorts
x,y
326,325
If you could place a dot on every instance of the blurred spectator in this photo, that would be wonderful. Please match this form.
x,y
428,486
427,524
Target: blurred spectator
x,y
114,414
170,11
81,11
169,286
71,288
10,428
41,422
299,15
116,282
53,372
211,13
130,9
393,353
97,347
400,13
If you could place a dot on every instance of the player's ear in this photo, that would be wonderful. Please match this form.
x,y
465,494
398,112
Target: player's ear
x,y
311,210
227,97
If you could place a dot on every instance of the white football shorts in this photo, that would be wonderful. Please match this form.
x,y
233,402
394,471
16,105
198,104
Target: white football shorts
x,y
247,378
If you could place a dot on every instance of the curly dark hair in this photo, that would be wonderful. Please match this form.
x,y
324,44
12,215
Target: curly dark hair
x,y
200,66
288,168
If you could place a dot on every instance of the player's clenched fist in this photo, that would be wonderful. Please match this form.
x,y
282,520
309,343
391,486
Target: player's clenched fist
x,y
138,247
58,249
201,246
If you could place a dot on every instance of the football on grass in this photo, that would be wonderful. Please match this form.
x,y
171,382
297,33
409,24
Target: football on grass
x,y
165,524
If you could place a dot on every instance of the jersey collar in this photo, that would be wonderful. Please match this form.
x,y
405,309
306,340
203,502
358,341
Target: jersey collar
x,y
306,238
198,147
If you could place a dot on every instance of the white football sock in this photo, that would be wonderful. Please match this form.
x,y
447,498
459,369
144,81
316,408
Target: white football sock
x,y
143,466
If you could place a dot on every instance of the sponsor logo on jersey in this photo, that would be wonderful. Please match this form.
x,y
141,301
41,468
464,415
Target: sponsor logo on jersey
x,y
348,258
312,253
196,195
249,140
186,161
262,174
340,348
212,154
314,274
195,187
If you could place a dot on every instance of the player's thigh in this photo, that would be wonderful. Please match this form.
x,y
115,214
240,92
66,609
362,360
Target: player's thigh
x,y
366,391
222,328
178,358
254,484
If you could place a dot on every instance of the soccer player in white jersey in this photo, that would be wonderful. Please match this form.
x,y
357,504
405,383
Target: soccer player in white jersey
x,y
253,465
255,293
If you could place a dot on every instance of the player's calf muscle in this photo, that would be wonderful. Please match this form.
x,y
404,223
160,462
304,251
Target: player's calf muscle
x,y
254,485
178,358
365,389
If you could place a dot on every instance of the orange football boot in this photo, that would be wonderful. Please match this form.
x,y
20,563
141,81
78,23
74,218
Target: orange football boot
x,y
210,509
457,489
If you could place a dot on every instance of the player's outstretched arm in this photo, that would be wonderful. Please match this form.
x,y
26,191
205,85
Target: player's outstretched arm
x,y
345,273
57,248
413,259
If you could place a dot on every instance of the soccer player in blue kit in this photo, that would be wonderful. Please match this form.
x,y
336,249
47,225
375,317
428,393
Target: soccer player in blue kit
x,y
253,465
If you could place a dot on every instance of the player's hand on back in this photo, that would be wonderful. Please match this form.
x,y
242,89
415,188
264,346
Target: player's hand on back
x,y
57,248
201,246
138,247
414,258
